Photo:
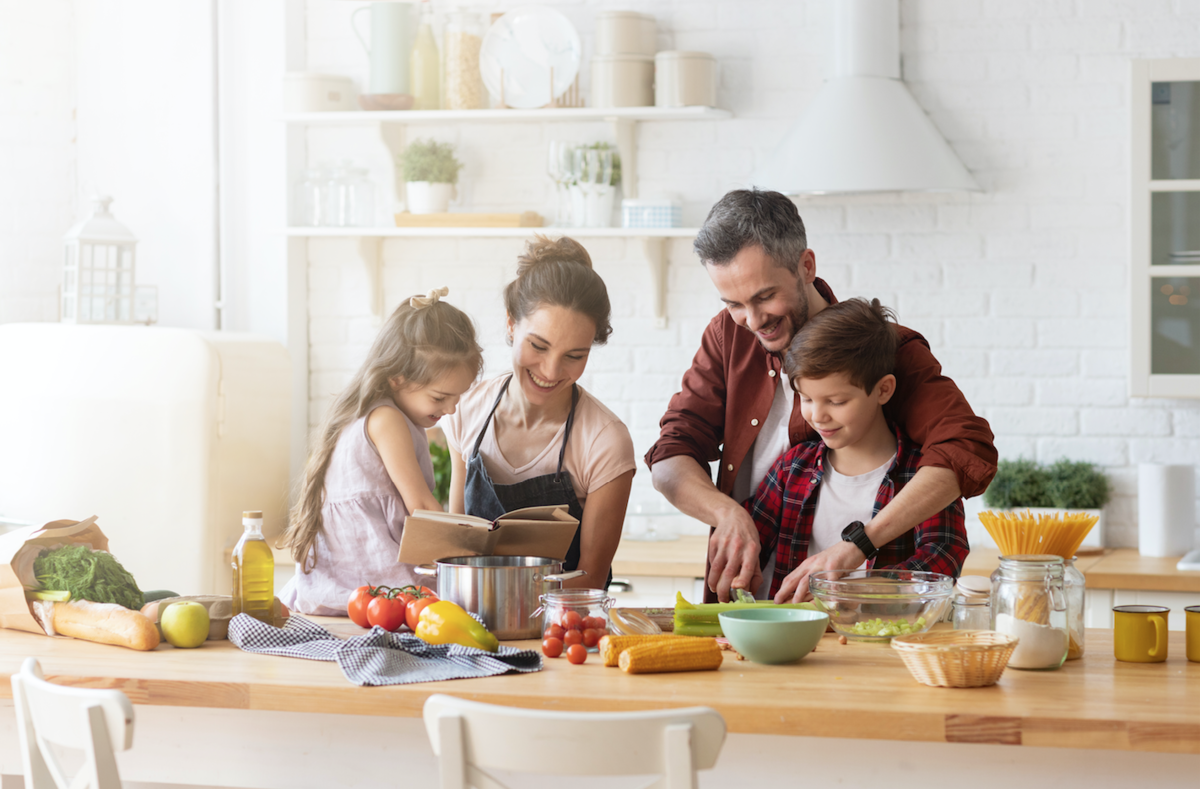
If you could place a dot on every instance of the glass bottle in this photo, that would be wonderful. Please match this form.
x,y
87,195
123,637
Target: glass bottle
x,y
254,571
463,89
1030,602
1073,583
972,603
425,64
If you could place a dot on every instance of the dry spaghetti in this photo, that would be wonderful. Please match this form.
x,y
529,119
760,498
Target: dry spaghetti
x,y
1058,534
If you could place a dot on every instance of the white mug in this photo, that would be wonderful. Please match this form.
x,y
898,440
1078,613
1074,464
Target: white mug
x,y
391,43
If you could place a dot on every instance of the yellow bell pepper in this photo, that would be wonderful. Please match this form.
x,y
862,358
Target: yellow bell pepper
x,y
445,622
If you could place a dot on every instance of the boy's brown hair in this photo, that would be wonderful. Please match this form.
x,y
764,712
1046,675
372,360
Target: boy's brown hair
x,y
854,337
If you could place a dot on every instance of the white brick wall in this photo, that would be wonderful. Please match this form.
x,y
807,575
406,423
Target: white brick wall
x,y
1020,289
37,154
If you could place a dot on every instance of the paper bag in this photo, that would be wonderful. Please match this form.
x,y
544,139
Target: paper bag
x,y
19,548
533,531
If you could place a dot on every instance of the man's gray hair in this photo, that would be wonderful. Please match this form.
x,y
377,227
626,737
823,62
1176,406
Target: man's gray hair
x,y
752,216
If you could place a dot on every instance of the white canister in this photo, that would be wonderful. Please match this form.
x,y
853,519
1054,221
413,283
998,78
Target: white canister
x,y
1166,509
622,81
625,33
309,92
685,79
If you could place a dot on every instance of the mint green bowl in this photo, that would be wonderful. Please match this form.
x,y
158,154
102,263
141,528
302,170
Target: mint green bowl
x,y
773,635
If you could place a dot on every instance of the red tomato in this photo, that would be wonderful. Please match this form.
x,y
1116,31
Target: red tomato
x,y
360,598
405,598
573,637
552,647
577,653
554,631
413,612
571,620
425,591
591,637
387,612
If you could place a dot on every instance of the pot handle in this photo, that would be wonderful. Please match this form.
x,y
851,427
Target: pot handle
x,y
425,569
560,577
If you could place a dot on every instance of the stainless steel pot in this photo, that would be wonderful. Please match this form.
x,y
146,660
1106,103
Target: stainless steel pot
x,y
503,590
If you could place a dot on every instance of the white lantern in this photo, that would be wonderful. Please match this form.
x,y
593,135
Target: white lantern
x,y
98,284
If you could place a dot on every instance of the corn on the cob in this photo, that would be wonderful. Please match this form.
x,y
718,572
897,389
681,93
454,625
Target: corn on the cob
x,y
680,654
611,646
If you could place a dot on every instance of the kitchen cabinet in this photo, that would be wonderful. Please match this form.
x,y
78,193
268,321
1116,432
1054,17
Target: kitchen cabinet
x,y
1164,287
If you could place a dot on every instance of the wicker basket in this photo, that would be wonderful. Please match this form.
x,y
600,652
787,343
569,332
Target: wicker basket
x,y
956,658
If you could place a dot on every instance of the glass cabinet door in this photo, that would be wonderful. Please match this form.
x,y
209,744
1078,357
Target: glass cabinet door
x,y
1175,326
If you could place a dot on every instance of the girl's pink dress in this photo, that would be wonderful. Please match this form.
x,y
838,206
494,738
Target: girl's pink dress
x,y
362,520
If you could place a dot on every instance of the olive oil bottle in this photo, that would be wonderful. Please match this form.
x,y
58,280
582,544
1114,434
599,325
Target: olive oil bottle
x,y
253,571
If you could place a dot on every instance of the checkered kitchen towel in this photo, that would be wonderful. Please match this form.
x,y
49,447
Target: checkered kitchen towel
x,y
378,657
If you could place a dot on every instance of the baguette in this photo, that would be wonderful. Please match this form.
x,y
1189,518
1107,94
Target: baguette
x,y
105,623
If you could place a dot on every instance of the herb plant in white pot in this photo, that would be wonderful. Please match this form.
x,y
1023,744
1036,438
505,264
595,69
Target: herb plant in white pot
x,y
431,173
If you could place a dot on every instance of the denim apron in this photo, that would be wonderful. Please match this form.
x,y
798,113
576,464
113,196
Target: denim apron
x,y
485,499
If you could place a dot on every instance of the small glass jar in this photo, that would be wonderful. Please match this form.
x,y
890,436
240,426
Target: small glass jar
x,y
972,603
1030,602
1073,584
584,611
308,199
463,86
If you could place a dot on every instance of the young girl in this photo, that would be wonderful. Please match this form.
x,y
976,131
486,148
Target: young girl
x,y
371,465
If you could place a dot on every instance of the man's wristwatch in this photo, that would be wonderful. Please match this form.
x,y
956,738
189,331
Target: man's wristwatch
x,y
856,534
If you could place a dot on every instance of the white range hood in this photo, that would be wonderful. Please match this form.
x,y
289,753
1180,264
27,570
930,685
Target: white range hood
x,y
864,132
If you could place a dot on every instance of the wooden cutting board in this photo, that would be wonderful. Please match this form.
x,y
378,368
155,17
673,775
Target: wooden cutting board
x,y
524,219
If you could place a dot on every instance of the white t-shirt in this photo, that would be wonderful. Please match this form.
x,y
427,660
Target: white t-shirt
x,y
841,500
599,450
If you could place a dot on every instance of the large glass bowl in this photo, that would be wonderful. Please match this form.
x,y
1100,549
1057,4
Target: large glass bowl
x,y
875,605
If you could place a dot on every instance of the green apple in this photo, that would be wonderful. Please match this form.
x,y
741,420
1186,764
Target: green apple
x,y
185,624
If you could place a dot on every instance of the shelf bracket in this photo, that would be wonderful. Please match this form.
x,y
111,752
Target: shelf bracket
x,y
370,250
655,250
625,130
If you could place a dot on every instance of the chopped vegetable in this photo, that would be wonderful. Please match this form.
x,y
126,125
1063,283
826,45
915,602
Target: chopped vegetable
x,y
87,575
693,619
881,628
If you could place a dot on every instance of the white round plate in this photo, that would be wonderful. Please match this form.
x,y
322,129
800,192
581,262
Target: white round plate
x,y
522,48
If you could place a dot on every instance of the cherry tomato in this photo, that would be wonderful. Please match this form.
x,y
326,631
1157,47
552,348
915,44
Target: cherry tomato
x,y
425,591
573,637
571,620
406,598
360,598
552,647
591,637
387,612
577,653
413,611
554,631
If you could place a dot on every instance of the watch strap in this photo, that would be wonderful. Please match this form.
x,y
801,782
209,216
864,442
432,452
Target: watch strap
x,y
857,534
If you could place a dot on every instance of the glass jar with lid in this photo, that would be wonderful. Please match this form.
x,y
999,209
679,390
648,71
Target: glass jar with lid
x,y
1029,601
462,85
1073,584
580,611
972,603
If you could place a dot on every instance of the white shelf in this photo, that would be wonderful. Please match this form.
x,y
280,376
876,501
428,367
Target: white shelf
x,y
490,232
525,116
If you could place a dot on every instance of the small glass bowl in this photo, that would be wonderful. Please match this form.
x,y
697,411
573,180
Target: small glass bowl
x,y
875,605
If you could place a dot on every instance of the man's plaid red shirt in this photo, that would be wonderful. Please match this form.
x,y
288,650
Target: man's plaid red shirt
x,y
786,501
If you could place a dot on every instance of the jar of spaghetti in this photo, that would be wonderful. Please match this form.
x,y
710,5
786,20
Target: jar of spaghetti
x,y
1073,583
1029,601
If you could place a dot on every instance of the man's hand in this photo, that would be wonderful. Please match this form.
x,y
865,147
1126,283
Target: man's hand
x,y
843,557
733,552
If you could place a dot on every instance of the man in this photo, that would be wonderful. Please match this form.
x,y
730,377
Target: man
x,y
735,405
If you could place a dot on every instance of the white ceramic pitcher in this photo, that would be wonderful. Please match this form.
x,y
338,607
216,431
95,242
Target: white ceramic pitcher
x,y
392,26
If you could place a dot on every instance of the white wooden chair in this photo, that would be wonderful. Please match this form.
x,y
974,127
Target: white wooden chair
x,y
97,722
468,737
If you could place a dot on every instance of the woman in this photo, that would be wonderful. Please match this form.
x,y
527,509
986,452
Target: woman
x,y
533,436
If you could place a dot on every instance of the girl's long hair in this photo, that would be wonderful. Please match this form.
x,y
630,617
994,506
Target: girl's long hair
x,y
421,341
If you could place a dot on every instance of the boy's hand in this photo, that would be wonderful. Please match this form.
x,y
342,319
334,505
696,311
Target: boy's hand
x,y
842,558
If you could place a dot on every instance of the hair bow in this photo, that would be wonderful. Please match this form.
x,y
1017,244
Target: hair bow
x,y
428,300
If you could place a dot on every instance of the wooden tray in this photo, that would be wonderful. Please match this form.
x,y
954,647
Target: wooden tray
x,y
524,219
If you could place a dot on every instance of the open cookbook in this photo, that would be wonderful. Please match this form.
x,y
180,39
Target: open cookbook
x,y
532,531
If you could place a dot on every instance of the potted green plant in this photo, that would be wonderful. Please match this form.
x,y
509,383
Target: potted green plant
x,y
430,173
1063,486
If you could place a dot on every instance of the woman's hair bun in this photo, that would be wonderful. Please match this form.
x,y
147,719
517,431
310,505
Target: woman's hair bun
x,y
544,250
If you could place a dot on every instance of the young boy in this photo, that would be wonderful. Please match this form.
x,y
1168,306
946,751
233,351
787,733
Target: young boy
x,y
820,493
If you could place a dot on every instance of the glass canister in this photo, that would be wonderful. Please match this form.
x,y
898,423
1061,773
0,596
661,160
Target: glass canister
x,y
308,199
358,208
462,84
1029,601
972,603
577,616
1073,584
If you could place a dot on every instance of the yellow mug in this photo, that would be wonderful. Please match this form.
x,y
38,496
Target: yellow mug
x,y
1140,633
1193,632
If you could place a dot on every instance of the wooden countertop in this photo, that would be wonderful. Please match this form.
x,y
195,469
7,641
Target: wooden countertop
x,y
1122,568
852,691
